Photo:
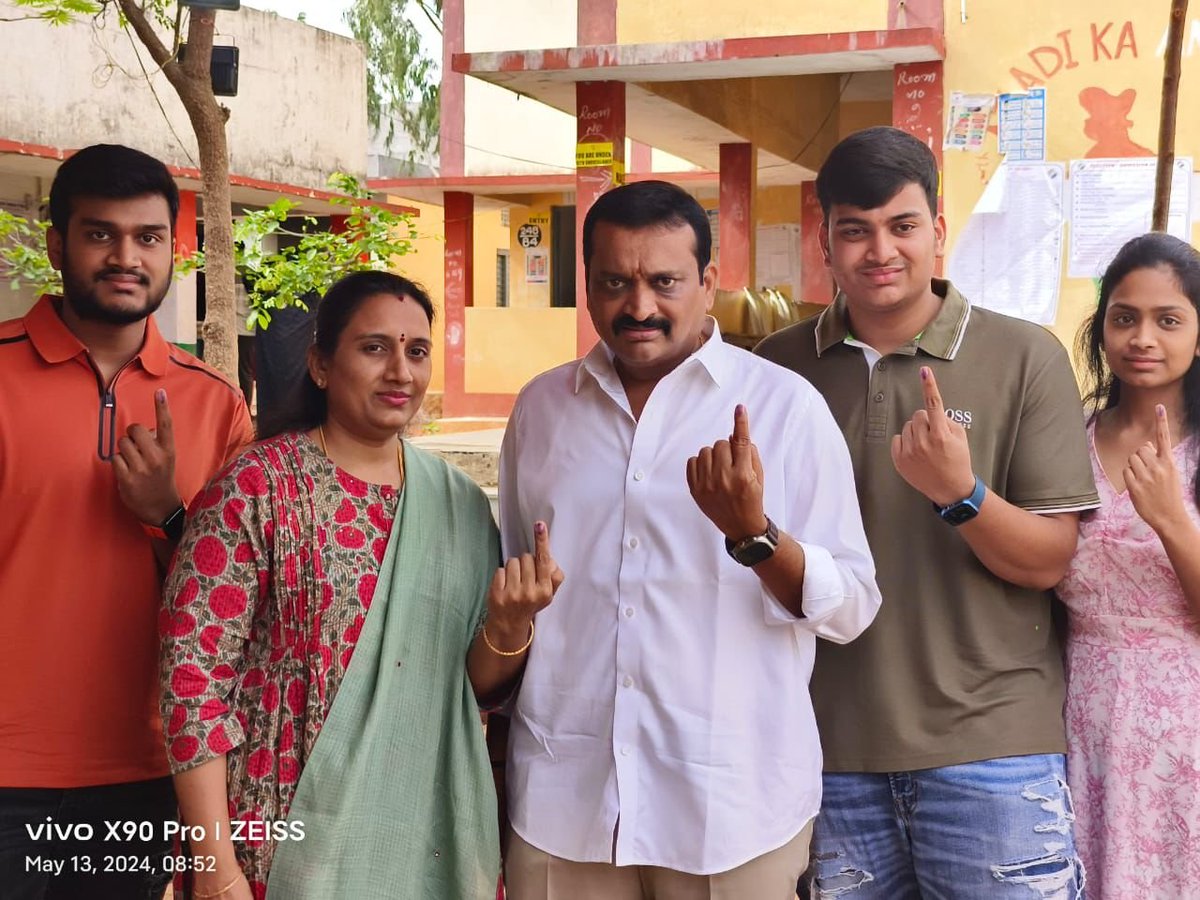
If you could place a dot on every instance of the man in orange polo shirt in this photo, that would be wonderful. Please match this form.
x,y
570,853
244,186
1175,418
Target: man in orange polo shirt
x,y
106,430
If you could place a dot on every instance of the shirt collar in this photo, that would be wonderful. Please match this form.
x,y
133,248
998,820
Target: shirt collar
x,y
55,342
940,338
711,356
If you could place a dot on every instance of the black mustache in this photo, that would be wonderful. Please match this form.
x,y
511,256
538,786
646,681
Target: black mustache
x,y
115,270
623,322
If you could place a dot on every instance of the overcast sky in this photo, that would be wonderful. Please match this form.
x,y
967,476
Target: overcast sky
x,y
327,14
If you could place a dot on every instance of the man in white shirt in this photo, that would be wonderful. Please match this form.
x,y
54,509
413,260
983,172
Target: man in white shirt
x,y
663,742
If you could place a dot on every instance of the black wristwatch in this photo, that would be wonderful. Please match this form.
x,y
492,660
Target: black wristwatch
x,y
171,528
756,548
966,509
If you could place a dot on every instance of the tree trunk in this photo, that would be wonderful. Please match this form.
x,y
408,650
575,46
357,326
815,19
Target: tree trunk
x,y
193,83
1166,122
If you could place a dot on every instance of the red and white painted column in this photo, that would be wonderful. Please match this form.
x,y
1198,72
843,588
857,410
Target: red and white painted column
x,y
816,281
176,317
599,167
918,93
737,221
460,286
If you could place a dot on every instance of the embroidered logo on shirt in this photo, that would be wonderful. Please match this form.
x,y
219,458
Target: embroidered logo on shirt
x,y
961,416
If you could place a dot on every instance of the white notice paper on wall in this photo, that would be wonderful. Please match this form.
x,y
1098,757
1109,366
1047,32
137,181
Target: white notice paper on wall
x,y
1009,255
1112,201
777,257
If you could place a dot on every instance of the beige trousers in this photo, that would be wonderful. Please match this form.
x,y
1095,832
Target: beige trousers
x,y
533,874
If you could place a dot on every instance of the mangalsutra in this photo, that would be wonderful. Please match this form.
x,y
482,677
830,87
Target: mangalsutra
x,y
399,451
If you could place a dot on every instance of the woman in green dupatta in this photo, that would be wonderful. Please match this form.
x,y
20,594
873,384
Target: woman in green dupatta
x,y
324,648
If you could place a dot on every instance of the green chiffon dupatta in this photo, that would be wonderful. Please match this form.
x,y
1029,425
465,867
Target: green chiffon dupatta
x,y
397,799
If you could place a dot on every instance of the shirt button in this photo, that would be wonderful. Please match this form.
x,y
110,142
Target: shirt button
x,y
639,475
633,542
629,612
881,365
879,397
624,751
628,682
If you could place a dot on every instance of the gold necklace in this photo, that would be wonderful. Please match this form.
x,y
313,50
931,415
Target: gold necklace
x,y
399,452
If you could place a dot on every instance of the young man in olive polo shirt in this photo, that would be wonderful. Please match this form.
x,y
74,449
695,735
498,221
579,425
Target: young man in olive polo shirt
x,y
942,725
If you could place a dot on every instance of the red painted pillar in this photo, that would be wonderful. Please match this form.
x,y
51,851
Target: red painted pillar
x,y
816,281
737,220
459,265
177,316
596,22
918,96
916,14
918,107
185,225
452,130
599,166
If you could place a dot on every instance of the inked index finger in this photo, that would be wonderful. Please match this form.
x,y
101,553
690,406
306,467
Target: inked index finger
x,y
164,425
543,561
740,444
741,426
933,398
1162,432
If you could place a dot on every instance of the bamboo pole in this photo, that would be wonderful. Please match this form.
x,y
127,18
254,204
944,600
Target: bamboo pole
x,y
1170,107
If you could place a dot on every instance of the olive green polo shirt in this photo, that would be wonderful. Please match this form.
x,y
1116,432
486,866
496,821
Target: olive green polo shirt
x,y
959,665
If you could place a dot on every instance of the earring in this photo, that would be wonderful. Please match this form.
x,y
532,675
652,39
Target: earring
x,y
321,384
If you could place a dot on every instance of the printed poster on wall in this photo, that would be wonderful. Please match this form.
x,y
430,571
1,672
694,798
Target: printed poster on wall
x,y
1021,130
967,124
1112,201
1009,255
537,266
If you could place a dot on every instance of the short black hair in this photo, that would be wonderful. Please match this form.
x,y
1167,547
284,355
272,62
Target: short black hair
x,y
113,172
870,167
306,407
642,204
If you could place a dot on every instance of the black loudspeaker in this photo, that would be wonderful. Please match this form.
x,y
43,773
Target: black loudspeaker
x,y
223,67
212,4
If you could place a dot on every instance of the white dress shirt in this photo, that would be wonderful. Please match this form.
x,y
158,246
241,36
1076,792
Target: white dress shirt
x,y
666,689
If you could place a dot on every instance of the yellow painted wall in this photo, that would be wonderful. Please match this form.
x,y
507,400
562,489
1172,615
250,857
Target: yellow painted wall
x,y
534,210
523,294
1068,46
778,205
490,236
699,20
426,266
508,347
862,114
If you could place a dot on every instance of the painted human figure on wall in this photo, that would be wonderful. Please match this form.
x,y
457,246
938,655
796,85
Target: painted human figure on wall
x,y
1108,123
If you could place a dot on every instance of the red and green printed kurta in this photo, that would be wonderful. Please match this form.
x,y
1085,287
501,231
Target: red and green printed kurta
x,y
262,609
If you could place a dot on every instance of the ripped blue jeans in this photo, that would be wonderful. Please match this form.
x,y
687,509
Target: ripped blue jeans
x,y
999,828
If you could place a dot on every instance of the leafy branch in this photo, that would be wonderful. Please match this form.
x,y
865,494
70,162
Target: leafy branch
x,y
401,77
374,237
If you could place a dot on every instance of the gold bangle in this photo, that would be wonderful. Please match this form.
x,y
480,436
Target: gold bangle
x,y
498,652
224,890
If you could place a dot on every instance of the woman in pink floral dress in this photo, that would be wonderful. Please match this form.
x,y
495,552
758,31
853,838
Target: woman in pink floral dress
x,y
1133,589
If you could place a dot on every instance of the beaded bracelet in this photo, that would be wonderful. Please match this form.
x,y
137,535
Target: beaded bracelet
x,y
499,652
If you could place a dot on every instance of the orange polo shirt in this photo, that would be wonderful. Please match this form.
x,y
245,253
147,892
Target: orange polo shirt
x,y
79,584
